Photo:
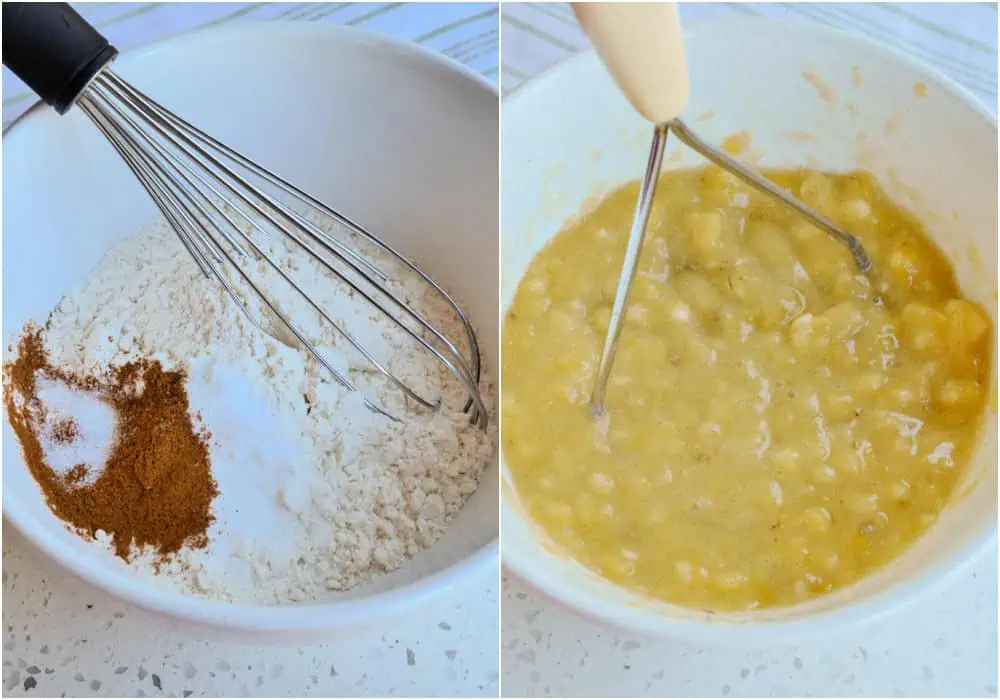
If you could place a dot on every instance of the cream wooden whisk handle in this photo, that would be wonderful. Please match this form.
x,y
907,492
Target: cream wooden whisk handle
x,y
643,49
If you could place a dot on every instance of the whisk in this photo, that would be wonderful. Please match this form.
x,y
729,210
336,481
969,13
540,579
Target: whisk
x,y
642,47
207,193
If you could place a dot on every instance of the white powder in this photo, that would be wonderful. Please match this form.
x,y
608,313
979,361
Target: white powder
x,y
94,422
317,492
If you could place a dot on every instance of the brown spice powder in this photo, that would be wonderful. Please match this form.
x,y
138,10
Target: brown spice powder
x,y
65,431
156,488
77,474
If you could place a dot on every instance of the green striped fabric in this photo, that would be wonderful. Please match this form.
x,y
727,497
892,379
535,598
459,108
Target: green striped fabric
x,y
465,31
960,39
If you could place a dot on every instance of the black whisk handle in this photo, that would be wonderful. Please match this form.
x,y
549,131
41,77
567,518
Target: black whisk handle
x,y
52,49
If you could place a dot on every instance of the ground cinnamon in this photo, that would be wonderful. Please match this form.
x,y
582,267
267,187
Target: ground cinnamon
x,y
156,487
76,475
65,431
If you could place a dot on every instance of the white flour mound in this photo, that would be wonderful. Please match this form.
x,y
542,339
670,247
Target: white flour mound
x,y
317,493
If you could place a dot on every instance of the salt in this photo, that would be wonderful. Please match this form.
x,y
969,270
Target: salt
x,y
95,423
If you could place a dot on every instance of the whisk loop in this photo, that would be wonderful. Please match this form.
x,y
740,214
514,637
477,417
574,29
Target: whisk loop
x,y
202,188
194,181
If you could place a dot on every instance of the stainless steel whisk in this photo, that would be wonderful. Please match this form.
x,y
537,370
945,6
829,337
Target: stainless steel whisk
x,y
204,190
642,47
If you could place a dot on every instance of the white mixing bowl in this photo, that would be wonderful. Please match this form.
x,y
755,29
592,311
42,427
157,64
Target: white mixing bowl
x,y
393,135
568,136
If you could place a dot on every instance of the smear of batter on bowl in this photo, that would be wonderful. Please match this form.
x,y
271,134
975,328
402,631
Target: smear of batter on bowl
x,y
799,136
975,257
912,193
826,92
892,125
920,90
737,143
316,493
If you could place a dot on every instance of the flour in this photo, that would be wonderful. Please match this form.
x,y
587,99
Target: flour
x,y
317,493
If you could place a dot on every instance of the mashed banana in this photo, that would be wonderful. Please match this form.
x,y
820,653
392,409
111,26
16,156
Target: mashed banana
x,y
774,430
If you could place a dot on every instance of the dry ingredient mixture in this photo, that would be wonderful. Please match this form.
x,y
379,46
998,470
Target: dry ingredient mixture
x,y
309,491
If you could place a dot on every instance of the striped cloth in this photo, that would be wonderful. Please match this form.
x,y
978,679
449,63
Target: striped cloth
x,y
958,38
465,31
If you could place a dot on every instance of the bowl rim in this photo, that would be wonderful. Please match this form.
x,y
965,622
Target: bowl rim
x,y
290,27
730,633
315,617
693,27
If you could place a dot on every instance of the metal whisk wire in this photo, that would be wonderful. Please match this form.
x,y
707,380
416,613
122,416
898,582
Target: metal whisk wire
x,y
640,220
201,187
191,178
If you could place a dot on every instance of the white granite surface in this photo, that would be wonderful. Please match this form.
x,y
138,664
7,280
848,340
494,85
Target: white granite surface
x,y
63,638
944,647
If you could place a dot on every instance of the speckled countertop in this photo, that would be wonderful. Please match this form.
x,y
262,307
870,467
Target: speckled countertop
x,y
945,646
63,638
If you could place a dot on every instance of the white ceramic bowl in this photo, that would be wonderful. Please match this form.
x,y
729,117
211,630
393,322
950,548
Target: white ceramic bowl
x,y
568,136
393,135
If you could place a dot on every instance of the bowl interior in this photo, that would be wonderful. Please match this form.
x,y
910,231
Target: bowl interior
x,y
809,96
390,135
